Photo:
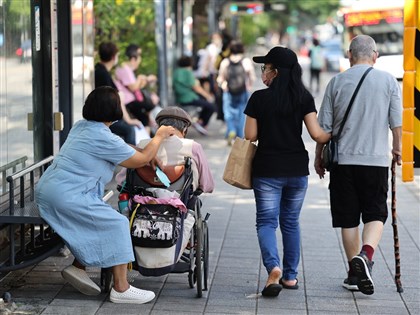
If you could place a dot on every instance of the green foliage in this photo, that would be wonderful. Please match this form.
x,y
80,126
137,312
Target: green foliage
x,y
127,22
318,10
301,14
252,27
17,16
18,7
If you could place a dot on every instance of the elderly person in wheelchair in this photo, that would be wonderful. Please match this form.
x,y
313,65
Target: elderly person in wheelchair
x,y
158,194
173,151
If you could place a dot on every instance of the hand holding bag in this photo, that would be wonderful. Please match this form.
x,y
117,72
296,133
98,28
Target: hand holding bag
x,y
330,150
330,154
239,164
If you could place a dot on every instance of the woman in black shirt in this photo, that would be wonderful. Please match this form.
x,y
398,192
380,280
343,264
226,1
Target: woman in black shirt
x,y
280,171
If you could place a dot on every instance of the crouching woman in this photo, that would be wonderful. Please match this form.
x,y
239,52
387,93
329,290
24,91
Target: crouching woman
x,y
69,195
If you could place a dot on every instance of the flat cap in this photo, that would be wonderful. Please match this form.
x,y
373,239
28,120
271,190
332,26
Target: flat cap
x,y
173,112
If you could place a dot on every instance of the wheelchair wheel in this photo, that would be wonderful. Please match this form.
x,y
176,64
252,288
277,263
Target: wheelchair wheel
x,y
106,279
192,279
205,254
198,258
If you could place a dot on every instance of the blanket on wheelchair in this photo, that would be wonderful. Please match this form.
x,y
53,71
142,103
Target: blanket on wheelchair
x,y
173,201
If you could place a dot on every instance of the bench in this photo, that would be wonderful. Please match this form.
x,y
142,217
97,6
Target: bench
x,y
31,239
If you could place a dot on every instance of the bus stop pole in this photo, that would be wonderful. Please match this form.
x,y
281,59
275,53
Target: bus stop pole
x,y
160,33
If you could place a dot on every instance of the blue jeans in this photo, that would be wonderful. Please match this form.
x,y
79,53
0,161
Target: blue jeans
x,y
207,109
233,112
280,199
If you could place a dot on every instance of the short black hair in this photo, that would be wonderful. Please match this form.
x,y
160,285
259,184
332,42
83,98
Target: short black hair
x,y
107,51
185,61
236,47
132,51
103,104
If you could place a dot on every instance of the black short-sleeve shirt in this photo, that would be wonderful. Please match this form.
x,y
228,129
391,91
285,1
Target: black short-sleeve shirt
x,y
281,151
103,77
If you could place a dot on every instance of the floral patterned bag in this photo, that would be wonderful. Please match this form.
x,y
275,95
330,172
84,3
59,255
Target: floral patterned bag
x,y
155,225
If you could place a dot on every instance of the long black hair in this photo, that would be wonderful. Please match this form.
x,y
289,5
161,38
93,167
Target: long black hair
x,y
289,89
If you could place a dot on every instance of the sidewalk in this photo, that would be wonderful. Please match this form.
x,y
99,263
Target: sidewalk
x,y
236,274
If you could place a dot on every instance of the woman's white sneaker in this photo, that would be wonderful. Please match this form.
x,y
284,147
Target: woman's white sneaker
x,y
131,296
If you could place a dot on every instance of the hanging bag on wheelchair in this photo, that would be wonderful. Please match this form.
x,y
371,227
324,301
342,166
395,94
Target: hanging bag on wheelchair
x,y
160,230
155,225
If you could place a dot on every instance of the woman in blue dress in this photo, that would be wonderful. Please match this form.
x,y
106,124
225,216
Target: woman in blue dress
x,y
69,195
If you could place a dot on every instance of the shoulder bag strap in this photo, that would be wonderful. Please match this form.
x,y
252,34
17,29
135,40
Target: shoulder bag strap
x,y
351,102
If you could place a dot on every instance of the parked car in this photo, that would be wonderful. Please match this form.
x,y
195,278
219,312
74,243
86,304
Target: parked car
x,y
333,53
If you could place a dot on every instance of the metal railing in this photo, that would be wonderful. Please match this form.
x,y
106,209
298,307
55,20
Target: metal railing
x,y
13,166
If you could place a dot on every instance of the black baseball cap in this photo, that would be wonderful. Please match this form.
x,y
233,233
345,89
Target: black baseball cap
x,y
280,57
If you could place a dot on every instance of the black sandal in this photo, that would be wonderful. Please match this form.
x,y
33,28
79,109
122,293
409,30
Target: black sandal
x,y
272,290
290,287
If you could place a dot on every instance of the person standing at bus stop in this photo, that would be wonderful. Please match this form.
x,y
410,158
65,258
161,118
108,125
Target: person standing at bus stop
x,y
359,183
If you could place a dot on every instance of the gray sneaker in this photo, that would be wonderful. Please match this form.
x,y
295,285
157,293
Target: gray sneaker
x,y
362,267
350,283
200,129
80,280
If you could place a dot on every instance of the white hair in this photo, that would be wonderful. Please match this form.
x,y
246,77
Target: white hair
x,y
362,47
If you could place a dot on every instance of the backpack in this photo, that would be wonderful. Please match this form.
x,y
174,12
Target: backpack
x,y
236,78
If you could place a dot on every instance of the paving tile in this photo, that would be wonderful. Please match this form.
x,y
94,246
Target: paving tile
x,y
222,310
180,306
236,273
69,310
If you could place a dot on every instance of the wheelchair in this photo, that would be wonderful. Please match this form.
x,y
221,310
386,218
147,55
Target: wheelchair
x,y
193,256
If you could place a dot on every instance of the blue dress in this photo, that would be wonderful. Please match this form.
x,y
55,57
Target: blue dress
x,y
69,196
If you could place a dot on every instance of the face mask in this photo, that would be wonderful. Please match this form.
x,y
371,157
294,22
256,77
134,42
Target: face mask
x,y
268,77
116,60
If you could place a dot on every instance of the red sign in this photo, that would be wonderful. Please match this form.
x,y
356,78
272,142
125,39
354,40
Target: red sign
x,y
373,17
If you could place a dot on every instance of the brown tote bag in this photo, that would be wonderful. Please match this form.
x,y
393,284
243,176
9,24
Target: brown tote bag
x,y
239,164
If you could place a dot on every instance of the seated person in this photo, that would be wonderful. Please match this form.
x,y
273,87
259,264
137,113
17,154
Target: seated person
x,y
173,150
188,91
108,55
138,103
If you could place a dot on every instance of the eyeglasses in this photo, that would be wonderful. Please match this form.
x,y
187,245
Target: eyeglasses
x,y
264,69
